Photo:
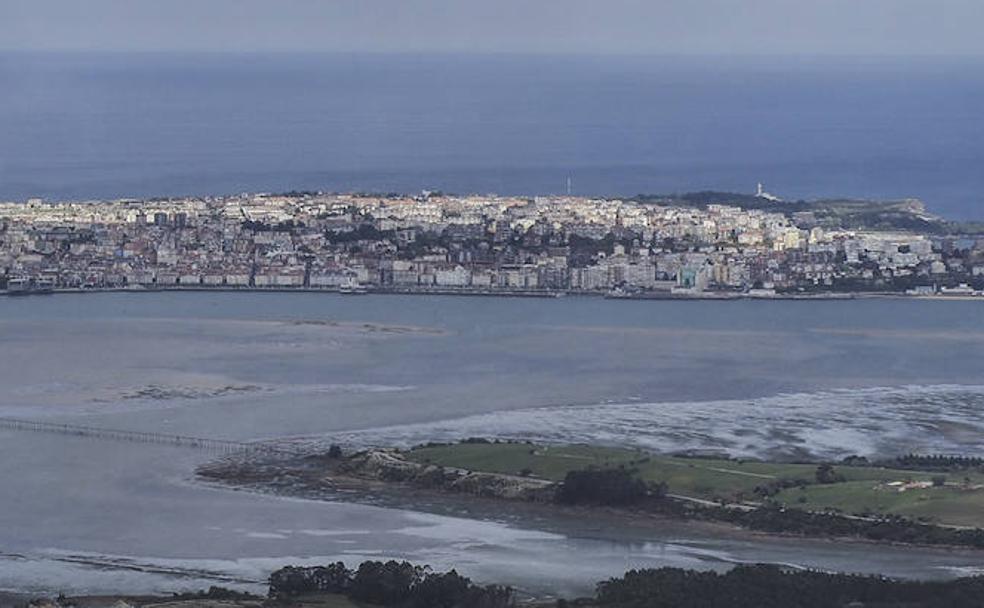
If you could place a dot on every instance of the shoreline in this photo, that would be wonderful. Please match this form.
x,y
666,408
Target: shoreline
x,y
505,293
406,496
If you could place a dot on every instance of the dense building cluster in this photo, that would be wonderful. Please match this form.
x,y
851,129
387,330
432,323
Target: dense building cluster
x,y
440,243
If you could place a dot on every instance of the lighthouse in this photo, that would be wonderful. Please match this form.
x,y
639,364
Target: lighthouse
x,y
761,193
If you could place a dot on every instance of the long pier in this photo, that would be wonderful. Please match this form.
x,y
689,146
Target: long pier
x,y
219,446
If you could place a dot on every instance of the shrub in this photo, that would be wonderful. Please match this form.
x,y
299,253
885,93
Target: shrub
x,y
826,474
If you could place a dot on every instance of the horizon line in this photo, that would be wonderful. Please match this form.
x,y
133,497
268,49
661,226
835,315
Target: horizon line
x,y
485,53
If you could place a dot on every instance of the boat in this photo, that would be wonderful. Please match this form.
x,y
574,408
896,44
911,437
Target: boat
x,y
351,288
27,286
18,287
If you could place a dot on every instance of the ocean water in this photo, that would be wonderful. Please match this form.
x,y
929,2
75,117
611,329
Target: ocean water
x,y
111,125
823,378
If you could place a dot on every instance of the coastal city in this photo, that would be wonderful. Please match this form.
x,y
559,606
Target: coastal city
x,y
437,243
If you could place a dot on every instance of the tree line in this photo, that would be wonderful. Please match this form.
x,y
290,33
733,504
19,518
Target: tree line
x,y
767,586
389,584
404,585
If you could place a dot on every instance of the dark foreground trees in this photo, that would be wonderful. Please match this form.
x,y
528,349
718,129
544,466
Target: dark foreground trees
x,y
404,585
392,583
292,580
764,586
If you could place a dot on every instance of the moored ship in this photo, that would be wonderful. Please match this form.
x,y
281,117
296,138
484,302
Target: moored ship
x,y
29,286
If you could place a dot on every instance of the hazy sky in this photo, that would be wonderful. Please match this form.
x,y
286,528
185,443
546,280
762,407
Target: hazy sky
x,y
893,27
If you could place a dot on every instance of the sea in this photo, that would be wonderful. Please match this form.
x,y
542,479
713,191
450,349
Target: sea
x,y
783,379
104,125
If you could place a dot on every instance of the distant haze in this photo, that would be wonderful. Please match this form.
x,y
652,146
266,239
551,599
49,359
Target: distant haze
x,y
824,27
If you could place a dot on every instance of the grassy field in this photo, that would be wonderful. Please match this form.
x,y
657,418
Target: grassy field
x,y
951,504
865,489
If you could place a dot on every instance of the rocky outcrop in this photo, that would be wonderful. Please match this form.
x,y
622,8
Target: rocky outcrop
x,y
391,466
